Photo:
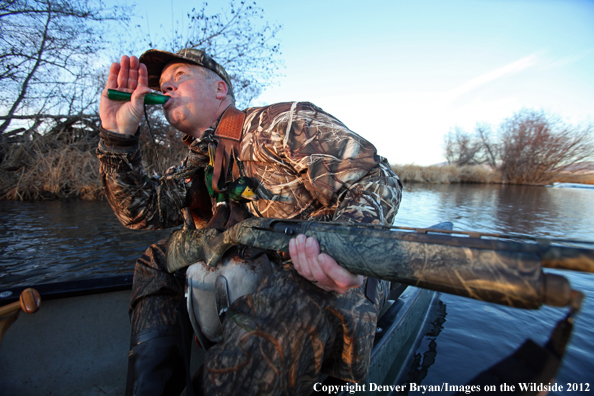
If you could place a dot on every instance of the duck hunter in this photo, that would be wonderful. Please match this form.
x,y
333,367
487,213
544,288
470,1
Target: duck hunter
x,y
307,316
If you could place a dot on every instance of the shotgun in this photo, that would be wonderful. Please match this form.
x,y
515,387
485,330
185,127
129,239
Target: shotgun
x,y
503,269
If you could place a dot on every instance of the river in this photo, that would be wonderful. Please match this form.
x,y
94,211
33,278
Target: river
x,y
56,241
476,335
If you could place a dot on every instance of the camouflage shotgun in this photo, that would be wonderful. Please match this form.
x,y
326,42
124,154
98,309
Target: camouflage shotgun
x,y
487,267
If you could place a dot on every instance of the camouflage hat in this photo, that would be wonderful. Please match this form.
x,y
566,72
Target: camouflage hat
x,y
155,60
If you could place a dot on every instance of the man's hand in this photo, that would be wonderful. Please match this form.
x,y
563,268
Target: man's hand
x,y
128,76
320,269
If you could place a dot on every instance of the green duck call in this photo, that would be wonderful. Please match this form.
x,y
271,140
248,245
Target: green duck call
x,y
151,98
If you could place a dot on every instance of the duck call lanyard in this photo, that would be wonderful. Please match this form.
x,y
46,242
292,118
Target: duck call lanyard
x,y
228,135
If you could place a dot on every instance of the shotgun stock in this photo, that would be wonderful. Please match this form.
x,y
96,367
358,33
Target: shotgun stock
x,y
487,267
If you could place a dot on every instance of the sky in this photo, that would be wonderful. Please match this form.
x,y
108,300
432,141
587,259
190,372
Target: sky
x,y
404,73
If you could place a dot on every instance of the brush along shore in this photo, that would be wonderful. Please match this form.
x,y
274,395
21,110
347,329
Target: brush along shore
x,y
63,167
445,174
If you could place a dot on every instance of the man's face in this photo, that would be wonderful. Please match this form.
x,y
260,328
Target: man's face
x,y
194,102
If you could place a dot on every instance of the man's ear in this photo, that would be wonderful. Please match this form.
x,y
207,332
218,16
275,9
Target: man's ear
x,y
221,89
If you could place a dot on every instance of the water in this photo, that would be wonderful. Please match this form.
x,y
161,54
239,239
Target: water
x,y
56,241
476,335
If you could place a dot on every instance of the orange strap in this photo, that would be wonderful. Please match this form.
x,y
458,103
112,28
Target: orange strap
x,y
228,134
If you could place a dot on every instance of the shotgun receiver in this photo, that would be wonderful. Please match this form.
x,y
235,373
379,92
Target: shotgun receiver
x,y
503,269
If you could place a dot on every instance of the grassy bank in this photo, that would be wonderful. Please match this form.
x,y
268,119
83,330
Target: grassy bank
x,y
60,168
51,168
472,174
59,173
446,174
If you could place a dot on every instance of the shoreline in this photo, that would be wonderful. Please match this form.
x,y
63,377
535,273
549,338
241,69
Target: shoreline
x,y
478,174
55,183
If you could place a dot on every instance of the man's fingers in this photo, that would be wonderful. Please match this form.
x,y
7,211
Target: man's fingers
x,y
312,247
327,261
133,73
138,97
142,75
343,278
302,257
127,76
140,90
112,79
312,251
293,253
123,74
321,269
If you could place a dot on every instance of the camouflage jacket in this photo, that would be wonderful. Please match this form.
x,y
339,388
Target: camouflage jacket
x,y
307,163
308,166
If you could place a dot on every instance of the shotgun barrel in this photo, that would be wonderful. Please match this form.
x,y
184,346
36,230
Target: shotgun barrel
x,y
486,267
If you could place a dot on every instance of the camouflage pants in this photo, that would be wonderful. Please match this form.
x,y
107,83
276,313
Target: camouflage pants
x,y
278,340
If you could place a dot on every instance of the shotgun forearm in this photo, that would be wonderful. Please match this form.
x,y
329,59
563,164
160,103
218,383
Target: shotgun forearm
x,y
502,272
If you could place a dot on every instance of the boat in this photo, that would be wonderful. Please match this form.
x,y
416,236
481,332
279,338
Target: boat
x,y
78,341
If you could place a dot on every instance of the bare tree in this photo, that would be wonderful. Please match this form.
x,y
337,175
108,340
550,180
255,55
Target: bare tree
x,y
46,48
489,148
536,147
237,39
51,74
461,148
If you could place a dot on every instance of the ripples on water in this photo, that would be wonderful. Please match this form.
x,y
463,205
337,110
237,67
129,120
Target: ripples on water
x,y
538,211
476,335
56,241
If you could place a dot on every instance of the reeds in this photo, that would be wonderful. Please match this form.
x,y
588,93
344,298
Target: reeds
x,y
575,177
446,174
50,168
473,174
53,168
